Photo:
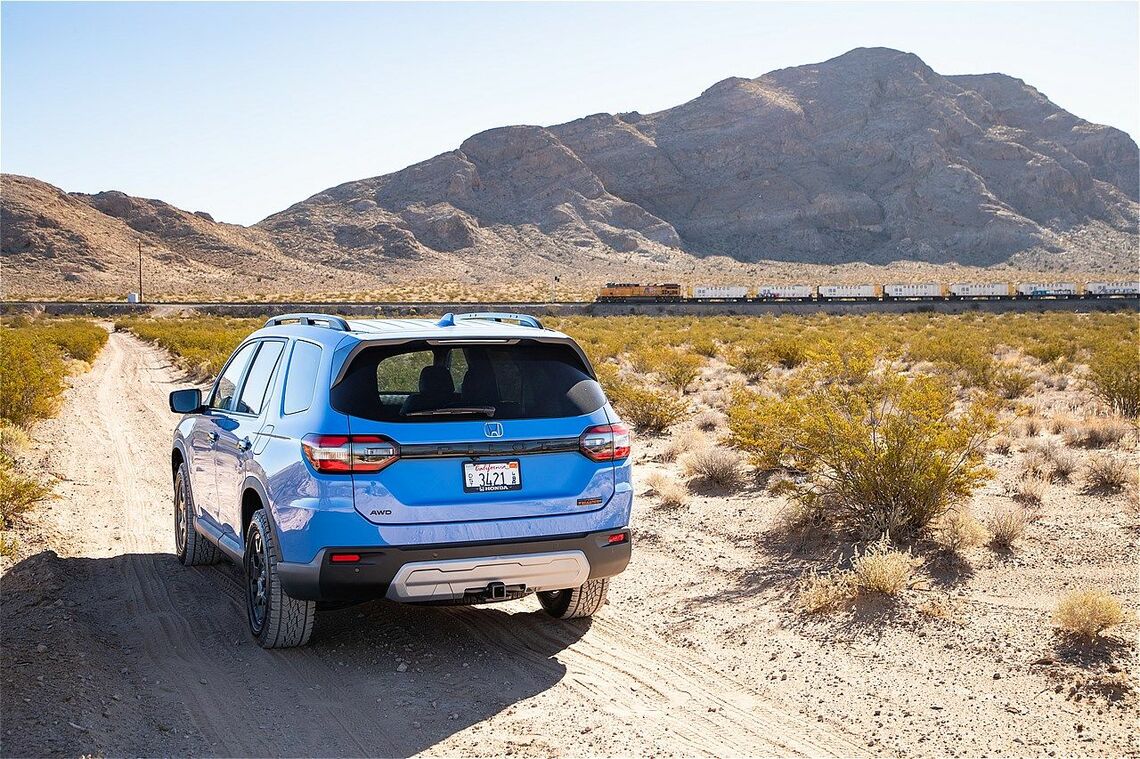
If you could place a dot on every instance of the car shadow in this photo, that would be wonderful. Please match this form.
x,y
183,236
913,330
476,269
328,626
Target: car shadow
x,y
136,654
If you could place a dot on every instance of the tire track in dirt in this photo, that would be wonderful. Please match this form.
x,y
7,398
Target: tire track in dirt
x,y
344,695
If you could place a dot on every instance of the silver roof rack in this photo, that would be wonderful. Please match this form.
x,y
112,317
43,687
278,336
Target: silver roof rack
x,y
523,320
312,320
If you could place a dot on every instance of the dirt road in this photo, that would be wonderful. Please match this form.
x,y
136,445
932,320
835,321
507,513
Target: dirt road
x,y
112,647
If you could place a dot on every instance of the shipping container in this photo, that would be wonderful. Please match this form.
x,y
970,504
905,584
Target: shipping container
x,y
784,292
979,290
715,292
1109,289
928,291
849,292
1046,290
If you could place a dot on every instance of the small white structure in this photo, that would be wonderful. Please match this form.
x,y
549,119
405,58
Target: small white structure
x,y
979,290
132,297
716,292
783,292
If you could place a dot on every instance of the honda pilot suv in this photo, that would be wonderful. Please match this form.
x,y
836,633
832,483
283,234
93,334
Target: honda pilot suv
x,y
465,460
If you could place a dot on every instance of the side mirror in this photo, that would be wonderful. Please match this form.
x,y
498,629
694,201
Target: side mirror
x,y
186,401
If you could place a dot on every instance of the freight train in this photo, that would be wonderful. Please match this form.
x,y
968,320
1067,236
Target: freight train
x,y
798,293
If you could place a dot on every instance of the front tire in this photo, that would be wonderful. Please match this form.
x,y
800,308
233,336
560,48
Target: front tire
x,y
192,548
575,603
276,619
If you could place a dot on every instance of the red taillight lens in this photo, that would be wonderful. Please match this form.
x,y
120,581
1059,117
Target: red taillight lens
x,y
344,454
344,558
617,537
606,442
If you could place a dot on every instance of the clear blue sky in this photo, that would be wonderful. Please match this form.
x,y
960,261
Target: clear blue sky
x,y
244,109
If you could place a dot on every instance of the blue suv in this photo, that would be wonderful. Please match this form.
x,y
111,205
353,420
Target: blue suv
x,y
465,460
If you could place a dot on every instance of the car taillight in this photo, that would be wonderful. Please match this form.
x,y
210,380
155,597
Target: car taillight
x,y
606,442
344,454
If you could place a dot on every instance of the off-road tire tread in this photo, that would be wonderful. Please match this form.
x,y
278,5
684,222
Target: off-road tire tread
x,y
585,600
199,550
289,621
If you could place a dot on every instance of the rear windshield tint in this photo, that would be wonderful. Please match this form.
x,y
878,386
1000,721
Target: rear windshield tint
x,y
417,382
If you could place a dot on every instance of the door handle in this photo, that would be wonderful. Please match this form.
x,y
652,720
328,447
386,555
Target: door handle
x,y
244,444
213,436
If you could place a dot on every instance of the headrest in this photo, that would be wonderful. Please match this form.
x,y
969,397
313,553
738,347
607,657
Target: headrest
x,y
436,380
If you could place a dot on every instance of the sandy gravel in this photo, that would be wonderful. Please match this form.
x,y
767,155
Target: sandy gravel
x,y
112,648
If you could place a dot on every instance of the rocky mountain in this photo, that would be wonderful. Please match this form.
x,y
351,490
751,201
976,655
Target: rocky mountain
x,y
869,158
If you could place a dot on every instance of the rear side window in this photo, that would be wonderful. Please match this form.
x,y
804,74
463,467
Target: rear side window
x,y
301,379
228,382
417,382
256,385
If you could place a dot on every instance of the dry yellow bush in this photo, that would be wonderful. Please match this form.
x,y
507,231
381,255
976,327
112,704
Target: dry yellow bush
x,y
883,569
708,420
1064,462
1031,491
824,593
1007,525
1036,463
672,494
711,464
1087,613
1002,444
958,530
1108,473
1101,432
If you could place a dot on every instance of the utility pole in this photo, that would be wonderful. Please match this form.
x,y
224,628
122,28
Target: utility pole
x,y
140,272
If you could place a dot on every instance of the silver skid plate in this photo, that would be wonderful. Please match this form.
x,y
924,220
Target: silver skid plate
x,y
453,578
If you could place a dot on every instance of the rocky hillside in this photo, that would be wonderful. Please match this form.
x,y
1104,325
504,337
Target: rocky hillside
x,y
871,156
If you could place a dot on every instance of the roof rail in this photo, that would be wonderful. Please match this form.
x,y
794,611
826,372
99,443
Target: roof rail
x,y
524,320
312,320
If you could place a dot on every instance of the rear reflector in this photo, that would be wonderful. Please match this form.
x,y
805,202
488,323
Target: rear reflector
x,y
605,442
617,537
345,454
344,558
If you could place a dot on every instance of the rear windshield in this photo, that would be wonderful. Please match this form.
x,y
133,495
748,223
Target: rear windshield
x,y
416,382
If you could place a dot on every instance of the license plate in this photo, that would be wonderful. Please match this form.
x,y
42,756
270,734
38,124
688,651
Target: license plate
x,y
491,476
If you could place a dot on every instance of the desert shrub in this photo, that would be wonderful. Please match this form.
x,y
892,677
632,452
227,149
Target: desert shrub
x,y
708,420
1036,463
646,409
1029,426
970,362
201,343
957,530
787,351
18,493
1007,525
703,346
1002,444
668,490
1011,383
1101,432
1061,424
751,360
714,465
1087,613
78,339
1114,372
13,440
678,370
1108,473
824,593
31,377
1031,491
1064,464
882,569
645,360
885,456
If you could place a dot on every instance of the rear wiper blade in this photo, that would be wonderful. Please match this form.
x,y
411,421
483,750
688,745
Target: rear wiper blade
x,y
455,411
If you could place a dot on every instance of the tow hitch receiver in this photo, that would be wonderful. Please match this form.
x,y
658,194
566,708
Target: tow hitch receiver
x,y
496,591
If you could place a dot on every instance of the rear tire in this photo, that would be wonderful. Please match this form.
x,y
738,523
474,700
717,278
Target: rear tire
x,y
276,619
575,603
193,548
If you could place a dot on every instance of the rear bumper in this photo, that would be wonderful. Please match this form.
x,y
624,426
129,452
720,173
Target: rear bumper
x,y
455,572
